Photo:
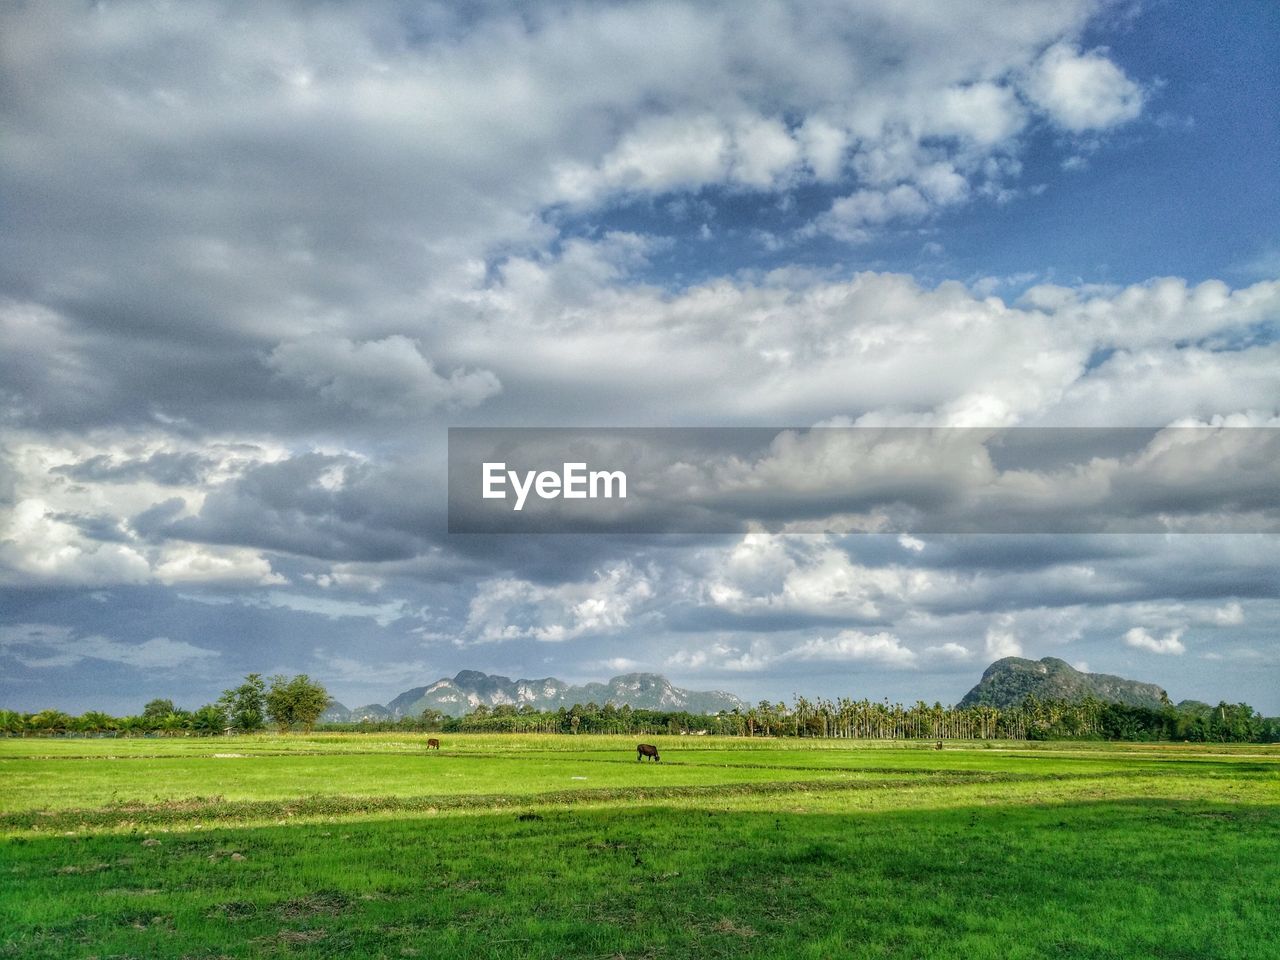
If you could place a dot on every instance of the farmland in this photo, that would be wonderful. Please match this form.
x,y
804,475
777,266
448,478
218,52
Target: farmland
x,y
560,846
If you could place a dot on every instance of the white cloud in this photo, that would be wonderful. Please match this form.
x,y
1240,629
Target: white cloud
x,y
1141,639
191,563
512,609
37,546
950,651
945,355
1229,615
383,614
720,655
986,113
755,655
1001,640
576,102
75,500
1083,91
766,575
849,216
854,646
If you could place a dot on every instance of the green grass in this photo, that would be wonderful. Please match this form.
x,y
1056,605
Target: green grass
x,y
364,846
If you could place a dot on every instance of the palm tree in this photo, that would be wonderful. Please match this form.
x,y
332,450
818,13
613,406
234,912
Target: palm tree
x,y
95,721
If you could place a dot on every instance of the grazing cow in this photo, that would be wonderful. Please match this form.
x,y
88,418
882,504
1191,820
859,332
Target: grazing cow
x,y
433,744
647,750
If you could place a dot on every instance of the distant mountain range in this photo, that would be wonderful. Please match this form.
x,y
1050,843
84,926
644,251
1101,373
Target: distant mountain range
x,y
470,688
1006,682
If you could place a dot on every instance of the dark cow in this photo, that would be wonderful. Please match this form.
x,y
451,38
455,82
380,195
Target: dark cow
x,y
433,744
939,746
647,750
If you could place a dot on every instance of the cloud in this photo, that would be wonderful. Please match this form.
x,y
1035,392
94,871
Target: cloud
x,y
794,651
381,376
672,153
37,546
1001,641
335,506
511,609
884,479
849,216
1083,91
1141,639
950,651
48,646
1229,615
297,197
169,468
855,646
940,356
766,576
382,614
726,657
193,563
39,542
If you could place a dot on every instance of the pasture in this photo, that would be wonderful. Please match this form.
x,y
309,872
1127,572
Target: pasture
x,y
526,846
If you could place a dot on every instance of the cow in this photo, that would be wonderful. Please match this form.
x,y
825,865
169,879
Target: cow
x,y
647,750
433,744
939,746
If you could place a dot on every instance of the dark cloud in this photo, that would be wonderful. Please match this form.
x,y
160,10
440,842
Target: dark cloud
x,y
167,469
105,528
317,505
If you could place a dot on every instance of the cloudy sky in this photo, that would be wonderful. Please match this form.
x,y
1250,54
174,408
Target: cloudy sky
x,y
256,258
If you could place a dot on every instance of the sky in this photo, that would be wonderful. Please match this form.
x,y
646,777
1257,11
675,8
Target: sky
x,y
257,258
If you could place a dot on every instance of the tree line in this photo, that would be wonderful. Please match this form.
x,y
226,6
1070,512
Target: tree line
x,y
287,703
297,703
1032,719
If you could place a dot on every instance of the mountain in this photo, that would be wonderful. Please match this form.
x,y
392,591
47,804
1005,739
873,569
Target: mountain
x,y
337,713
1006,682
470,688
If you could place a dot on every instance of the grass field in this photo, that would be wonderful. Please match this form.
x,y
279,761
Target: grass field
x,y
557,847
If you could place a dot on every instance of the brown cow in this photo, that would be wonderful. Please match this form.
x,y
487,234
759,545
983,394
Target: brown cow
x,y
647,750
433,744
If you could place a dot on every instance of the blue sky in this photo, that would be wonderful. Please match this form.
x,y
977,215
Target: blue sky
x,y
258,259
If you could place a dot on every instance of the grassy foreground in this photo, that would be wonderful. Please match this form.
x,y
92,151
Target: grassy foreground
x,y
556,847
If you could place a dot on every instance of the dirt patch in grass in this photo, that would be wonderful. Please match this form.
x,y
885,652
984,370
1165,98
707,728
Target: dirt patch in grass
x,y
294,937
85,868
233,910
322,903
146,921
727,926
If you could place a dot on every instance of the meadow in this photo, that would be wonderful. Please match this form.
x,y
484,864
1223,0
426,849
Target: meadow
x,y
528,846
